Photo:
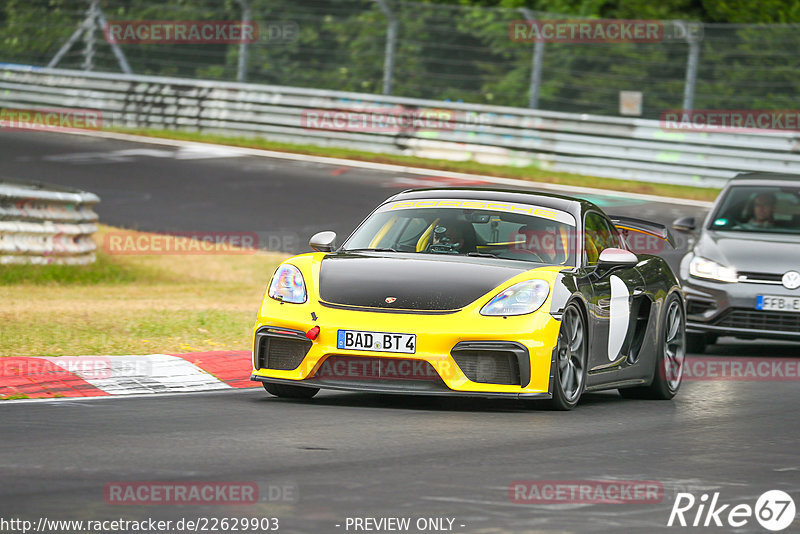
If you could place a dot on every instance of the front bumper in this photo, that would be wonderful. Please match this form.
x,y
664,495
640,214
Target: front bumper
x,y
442,340
385,389
729,309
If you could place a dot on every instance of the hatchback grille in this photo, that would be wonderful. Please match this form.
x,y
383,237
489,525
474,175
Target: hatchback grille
x,y
280,353
760,278
761,320
488,367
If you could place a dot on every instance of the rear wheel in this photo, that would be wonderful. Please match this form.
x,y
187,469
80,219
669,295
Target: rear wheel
x,y
570,373
668,370
290,392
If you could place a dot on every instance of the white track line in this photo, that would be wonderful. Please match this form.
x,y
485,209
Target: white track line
x,y
74,400
387,167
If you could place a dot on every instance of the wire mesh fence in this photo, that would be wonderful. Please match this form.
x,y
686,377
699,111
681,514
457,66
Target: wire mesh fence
x,y
432,51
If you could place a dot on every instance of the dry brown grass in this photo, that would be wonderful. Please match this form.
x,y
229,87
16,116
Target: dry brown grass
x,y
165,304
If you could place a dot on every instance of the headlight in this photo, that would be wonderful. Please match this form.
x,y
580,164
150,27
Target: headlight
x,y
703,268
519,299
288,285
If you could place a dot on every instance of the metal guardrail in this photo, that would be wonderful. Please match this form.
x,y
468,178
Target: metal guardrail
x,y
614,147
42,224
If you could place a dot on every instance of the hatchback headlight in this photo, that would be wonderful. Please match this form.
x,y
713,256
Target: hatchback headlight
x,y
287,285
519,299
711,270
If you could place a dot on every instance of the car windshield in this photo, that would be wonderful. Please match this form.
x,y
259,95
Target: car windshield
x,y
762,209
468,227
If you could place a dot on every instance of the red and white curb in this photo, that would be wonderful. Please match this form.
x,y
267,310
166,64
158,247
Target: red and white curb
x,y
98,376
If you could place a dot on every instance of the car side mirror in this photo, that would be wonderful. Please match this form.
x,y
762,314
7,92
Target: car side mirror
x,y
685,224
617,257
323,241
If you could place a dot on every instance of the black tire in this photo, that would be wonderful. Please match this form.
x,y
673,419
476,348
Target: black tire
x,y
571,359
696,343
668,370
290,392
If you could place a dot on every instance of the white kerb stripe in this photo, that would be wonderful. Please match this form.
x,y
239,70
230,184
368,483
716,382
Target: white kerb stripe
x,y
131,375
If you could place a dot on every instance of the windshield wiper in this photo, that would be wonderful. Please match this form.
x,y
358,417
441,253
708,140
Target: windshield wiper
x,y
481,255
383,249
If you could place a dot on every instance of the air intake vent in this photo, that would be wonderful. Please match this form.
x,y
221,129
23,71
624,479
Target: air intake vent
x,y
698,307
490,365
281,353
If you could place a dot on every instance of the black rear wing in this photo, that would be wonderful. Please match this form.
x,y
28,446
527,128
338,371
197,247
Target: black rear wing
x,y
631,224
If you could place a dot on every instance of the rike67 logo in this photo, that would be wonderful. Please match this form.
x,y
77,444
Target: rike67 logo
x,y
774,510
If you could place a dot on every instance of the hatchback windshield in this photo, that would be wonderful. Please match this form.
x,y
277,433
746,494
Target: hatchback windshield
x,y
467,227
764,209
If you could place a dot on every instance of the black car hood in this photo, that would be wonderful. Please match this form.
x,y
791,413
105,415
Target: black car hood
x,y
434,283
751,252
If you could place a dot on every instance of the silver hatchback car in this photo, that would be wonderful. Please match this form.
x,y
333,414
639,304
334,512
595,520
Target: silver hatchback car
x,y
742,277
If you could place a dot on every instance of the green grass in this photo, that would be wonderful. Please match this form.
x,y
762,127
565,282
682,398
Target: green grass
x,y
532,173
17,396
104,271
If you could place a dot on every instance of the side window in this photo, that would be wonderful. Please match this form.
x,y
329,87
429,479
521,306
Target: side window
x,y
599,235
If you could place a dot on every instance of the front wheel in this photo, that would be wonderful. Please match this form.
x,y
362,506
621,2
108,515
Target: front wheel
x,y
290,392
668,370
570,372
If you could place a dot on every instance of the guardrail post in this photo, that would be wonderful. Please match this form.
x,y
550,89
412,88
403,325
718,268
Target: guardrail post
x,y
89,38
391,44
94,18
536,65
241,69
691,68
118,53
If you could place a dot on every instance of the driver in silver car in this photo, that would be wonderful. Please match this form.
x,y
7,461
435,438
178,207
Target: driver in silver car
x,y
763,212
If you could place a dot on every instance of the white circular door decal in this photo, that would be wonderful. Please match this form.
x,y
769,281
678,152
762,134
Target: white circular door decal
x,y
619,317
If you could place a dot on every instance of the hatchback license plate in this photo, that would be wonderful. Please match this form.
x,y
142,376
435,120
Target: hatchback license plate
x,y
376,341
778,303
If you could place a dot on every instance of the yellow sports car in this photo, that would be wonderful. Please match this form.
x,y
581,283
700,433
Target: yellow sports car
x,y
477,292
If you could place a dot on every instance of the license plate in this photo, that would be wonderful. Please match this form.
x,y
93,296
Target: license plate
x,y
376,341
778,303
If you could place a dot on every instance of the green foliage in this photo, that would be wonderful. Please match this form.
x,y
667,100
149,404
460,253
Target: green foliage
x,y
103,271
455,49
749,11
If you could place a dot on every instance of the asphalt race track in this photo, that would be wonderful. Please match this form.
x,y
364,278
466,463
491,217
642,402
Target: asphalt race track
x,y
159,188
343,455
